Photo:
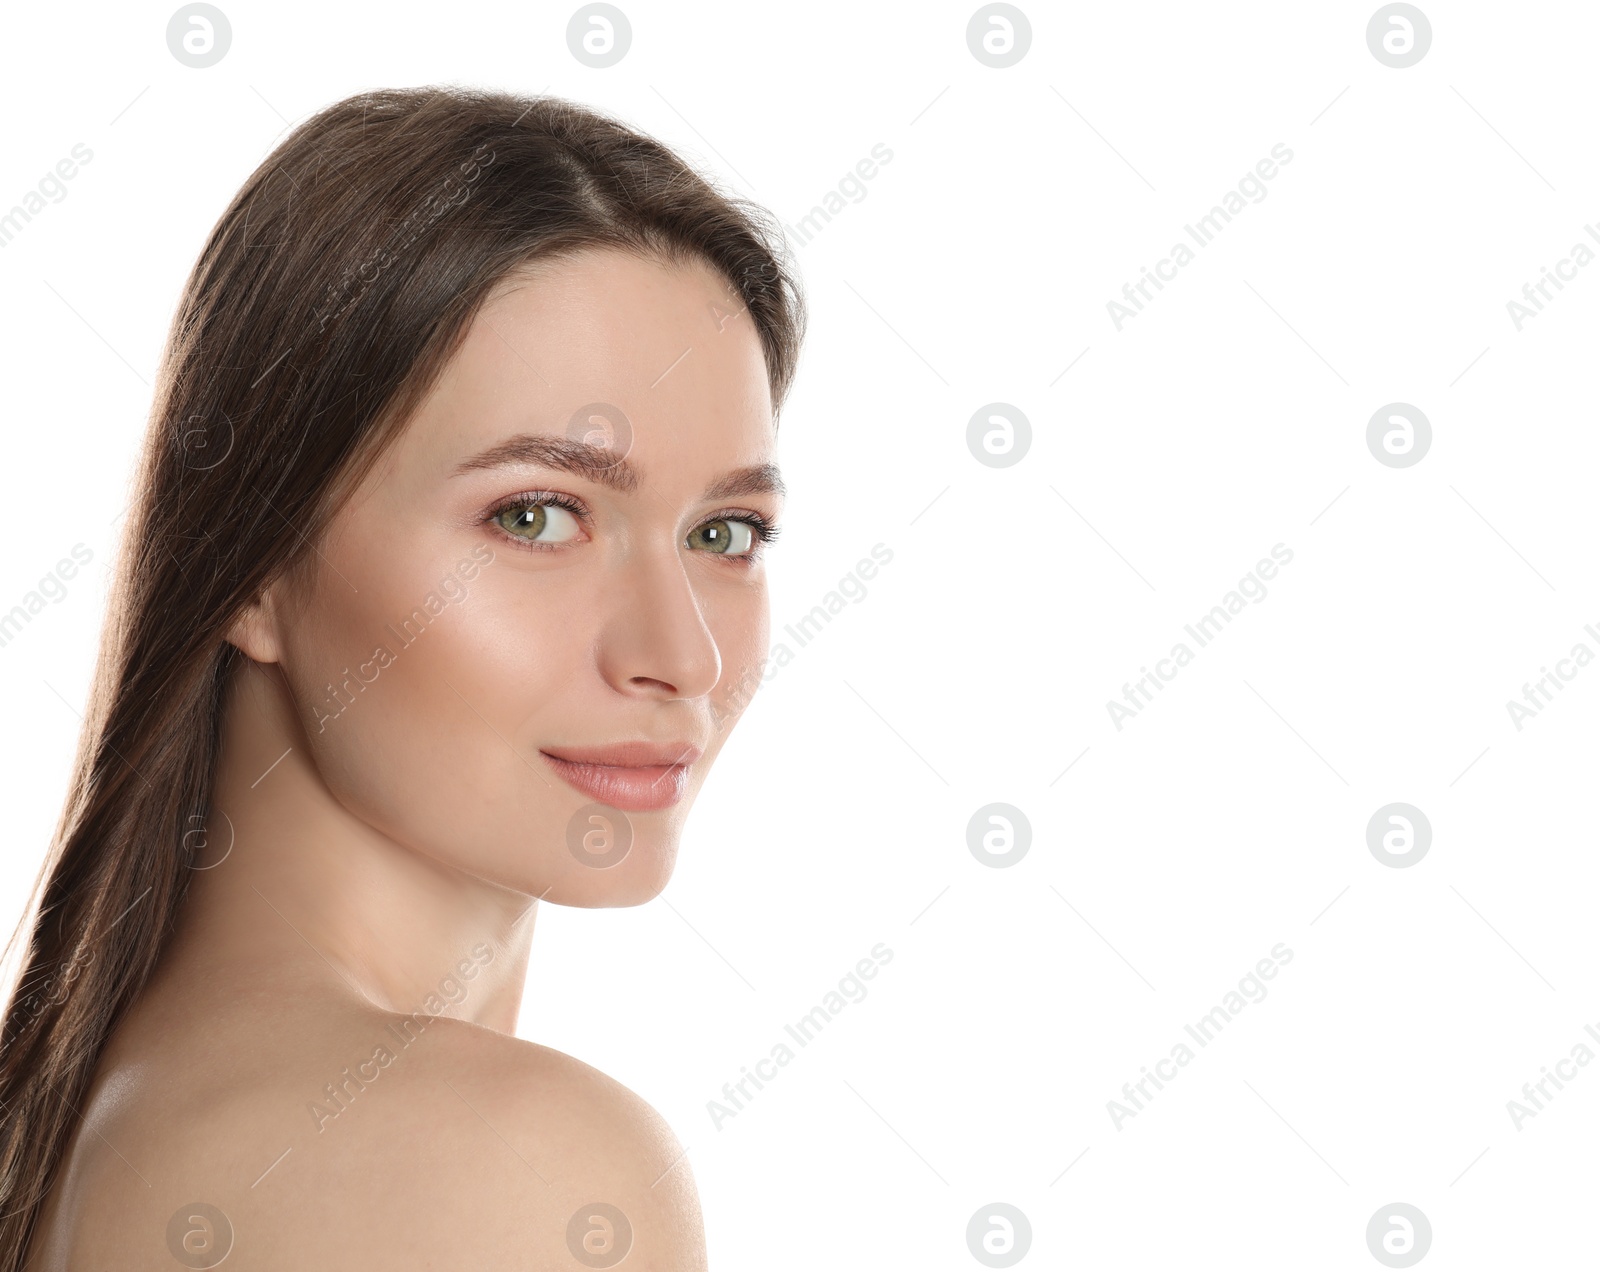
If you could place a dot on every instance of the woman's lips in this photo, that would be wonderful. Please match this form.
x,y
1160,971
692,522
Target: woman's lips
x,y
641,788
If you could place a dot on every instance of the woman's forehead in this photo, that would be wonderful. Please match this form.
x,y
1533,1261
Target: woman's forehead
x,y
626,353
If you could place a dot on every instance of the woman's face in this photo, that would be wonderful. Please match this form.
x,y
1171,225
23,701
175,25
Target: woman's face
x,y
559,557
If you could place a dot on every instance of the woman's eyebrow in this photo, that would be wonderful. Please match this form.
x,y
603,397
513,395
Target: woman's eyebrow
x,y
582,459
607,468
757,479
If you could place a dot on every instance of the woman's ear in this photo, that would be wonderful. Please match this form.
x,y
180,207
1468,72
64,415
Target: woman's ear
x,y
255,631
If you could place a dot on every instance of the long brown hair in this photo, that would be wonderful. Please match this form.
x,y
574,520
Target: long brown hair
x,y
324,304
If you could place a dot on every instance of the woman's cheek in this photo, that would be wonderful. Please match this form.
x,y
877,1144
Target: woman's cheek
x,y
422,753
371,676
750,649
742,631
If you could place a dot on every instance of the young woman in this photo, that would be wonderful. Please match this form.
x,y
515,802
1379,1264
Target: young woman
x,y
441,589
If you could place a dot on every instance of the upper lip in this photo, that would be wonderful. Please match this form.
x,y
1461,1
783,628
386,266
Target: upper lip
x,y
629,754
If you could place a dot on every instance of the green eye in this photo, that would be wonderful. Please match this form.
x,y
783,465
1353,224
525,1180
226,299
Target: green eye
x,y
731,538
532,521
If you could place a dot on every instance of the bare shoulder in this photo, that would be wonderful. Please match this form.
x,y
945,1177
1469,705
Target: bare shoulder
x,y
581,1171
562,1097
374,1142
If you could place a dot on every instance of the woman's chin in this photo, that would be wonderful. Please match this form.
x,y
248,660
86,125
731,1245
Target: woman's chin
x,y
636,879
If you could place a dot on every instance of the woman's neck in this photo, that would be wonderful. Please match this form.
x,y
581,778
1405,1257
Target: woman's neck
x,y
289,879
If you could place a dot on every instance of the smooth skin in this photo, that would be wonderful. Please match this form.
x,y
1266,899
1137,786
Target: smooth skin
x,y
380,851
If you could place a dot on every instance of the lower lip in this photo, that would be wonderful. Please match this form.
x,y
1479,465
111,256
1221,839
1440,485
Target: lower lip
x,y
632,790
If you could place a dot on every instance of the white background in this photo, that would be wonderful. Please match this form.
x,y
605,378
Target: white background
x,y
1230,814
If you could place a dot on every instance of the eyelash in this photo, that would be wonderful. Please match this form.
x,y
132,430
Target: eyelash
x,y
765,531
